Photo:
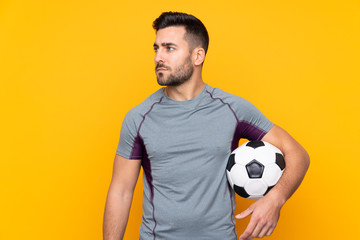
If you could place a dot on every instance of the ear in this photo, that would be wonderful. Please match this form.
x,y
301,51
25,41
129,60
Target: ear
x,y
198,56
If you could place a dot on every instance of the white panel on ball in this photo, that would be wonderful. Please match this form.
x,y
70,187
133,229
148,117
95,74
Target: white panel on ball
x,y
254,197
272,147
272,174
239,175
229,178
264,155
255,187
243,155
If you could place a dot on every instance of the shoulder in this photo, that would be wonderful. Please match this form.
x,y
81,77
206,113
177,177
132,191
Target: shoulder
x,y
137,113
233,100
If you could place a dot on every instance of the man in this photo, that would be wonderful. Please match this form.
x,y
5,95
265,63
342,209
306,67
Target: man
x,y
182,136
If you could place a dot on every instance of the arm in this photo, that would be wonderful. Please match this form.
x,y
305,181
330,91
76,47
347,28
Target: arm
x,y
266,211
119,198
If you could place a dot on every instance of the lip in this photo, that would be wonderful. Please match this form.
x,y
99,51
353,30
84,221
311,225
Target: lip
x,y
161,69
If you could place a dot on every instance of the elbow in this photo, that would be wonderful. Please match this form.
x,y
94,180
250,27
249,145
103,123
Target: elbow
x,y
306,159
120,192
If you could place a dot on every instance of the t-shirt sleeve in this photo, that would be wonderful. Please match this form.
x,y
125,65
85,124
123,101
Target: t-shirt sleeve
x,y
252,124
130,145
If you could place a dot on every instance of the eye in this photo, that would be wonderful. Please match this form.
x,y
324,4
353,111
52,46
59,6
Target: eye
x,y
170,48
155,49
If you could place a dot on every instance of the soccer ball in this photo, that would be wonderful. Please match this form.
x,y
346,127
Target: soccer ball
x,y
254,168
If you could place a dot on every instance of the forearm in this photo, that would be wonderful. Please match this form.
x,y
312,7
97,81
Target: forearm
x,y
296,160
297,163
116,215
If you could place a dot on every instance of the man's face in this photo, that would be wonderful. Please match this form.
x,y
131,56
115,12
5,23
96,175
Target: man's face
x,y
173,65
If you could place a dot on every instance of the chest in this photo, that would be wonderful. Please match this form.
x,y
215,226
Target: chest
x,y
188,132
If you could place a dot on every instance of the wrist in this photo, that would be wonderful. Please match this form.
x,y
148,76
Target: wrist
x,y
277,197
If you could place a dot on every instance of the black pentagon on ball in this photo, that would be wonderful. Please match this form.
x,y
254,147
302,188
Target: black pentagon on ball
x,y
241,191
254,169
231,162
280,161
255,144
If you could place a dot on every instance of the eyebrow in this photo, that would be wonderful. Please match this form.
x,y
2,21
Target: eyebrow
x,y
165,44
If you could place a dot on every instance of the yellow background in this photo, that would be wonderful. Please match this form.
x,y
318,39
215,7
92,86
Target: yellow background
x,y
70,70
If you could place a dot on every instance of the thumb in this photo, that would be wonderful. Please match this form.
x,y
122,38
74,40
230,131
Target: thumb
x,y
244,214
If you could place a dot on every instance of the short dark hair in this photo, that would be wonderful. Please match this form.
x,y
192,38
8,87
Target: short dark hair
x,y
196,33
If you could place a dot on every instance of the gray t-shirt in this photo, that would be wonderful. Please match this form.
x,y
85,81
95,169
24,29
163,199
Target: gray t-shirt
x,y
184,147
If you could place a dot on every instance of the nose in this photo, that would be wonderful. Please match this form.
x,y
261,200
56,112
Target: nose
x,y
159,56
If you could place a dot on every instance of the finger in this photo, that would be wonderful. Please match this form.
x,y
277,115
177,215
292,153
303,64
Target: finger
x,y
263,232
244,214
246,235
249,230
259,227
270,231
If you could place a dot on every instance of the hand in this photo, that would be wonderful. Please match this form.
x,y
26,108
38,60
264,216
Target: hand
x,y
265,215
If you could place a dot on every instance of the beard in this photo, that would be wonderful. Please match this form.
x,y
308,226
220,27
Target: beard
x,y
180,75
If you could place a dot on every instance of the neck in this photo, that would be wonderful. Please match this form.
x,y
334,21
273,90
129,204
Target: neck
x,y
185,91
